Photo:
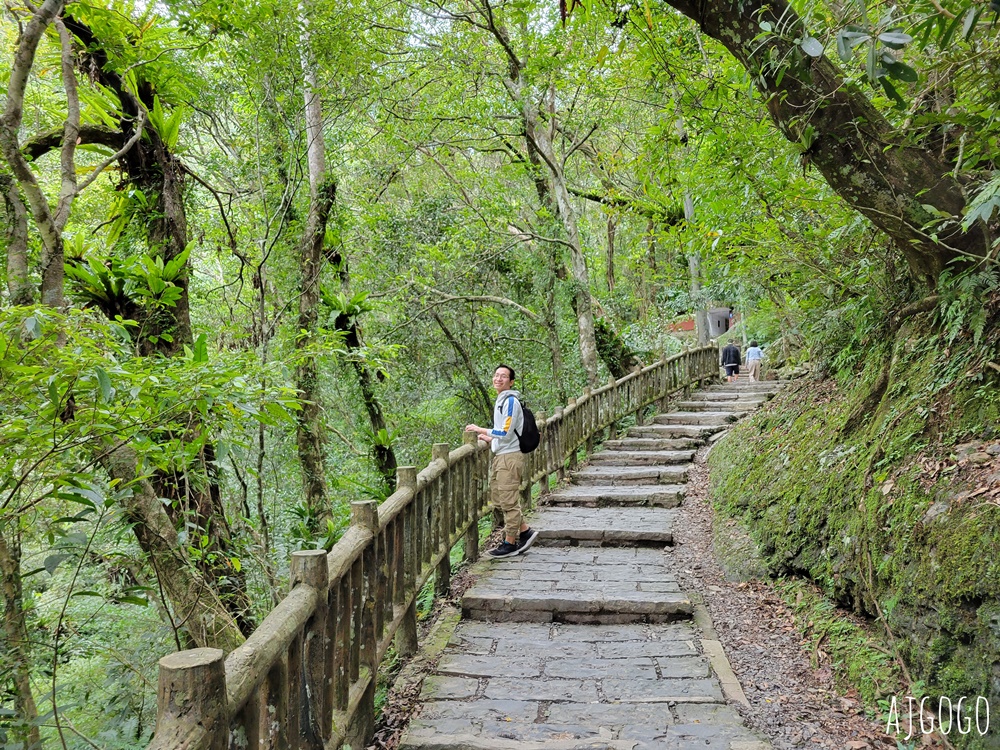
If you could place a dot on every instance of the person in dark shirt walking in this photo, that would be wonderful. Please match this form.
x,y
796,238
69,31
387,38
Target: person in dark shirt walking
x,y
730,359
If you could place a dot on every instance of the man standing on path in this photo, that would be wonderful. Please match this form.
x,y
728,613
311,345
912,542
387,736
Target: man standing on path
x,y
730,359
507,467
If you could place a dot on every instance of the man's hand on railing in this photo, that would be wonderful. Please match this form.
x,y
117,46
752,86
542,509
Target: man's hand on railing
x,y
483,432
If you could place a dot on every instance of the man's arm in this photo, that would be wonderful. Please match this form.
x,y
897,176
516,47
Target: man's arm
x,y
484,434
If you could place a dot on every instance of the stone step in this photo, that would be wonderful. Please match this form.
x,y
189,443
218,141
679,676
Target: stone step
x,y
625,475
620,687
659,495
576,584
735,405
709,418
651,444
640,458
602,527
656,430
744,387
729,396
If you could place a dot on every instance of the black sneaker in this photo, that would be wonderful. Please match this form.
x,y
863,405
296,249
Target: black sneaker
x,y
504,549
526,539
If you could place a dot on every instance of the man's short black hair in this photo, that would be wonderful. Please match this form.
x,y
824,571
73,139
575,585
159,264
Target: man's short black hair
x,y
508,368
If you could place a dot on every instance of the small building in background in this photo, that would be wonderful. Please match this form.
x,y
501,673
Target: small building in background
x,y
720,320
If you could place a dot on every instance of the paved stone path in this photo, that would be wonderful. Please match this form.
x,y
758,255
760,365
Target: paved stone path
x,y
586,642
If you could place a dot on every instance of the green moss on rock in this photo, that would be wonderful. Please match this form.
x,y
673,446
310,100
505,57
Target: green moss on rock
x,y
886,517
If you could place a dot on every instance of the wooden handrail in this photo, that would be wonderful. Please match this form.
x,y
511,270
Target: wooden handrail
x,y
306,677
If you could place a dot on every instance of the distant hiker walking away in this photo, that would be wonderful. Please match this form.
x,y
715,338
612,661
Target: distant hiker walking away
x,y
507,467
730,359
754,356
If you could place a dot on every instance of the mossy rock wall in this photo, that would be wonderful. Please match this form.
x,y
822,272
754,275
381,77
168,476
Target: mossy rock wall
x,y
898,518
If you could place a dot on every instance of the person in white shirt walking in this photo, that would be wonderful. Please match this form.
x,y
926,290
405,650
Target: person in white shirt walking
x,y
754,356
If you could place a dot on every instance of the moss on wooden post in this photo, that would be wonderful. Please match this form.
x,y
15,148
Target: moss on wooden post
x,y
446,518
191,704
309,568
362,724
406,635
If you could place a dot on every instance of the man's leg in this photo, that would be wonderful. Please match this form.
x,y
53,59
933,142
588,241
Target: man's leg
x,y
505,483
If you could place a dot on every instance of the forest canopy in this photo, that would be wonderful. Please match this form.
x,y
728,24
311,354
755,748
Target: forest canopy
x,y
258,257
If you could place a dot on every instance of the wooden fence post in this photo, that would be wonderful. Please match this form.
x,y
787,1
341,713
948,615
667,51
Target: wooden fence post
x,y
664,379
574,436
191,708
560,438
406,634
588,406
361,726
613,427
542,460
442,576
471,501
309,568
640,415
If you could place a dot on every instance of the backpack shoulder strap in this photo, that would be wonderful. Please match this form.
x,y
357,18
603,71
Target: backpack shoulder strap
x,y
512,396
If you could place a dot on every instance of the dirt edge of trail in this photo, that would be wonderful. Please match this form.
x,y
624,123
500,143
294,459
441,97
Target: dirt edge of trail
x,y
792,703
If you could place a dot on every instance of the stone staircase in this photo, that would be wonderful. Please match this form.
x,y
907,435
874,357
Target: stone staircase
x,y
586,640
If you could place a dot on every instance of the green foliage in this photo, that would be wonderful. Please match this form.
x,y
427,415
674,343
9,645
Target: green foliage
x,y
858,659
966,303
167,126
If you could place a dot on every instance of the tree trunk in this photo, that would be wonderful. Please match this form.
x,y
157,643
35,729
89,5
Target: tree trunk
x,y
154,169
197,608
16,650
848,140
552,192
322,194
18,284
167,237
382,450
551,325
309,423
578,261
700,313
610,270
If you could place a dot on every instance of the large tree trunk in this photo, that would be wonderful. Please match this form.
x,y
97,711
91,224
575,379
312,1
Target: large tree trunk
x,y
850,142
322,194
309,423
15,648
552,191
194,490
197,608
167,236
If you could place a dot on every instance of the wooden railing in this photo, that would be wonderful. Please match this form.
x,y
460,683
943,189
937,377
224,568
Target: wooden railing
x,y
306,677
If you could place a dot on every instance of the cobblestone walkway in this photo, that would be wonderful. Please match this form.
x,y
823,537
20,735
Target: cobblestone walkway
x,y
586,642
